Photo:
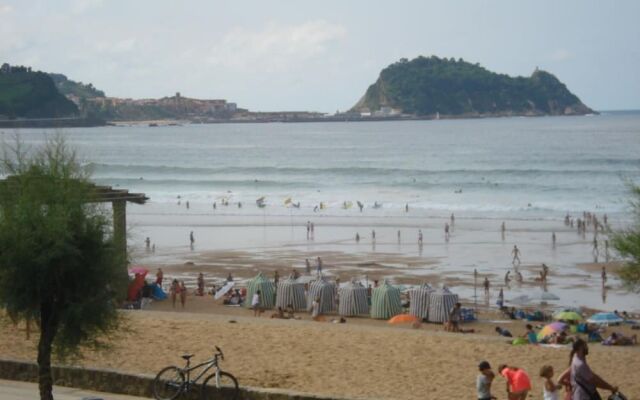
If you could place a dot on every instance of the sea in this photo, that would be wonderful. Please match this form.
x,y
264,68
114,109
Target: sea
x,y
528,168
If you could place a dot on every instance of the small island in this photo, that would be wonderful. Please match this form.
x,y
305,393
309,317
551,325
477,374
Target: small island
x,y
433,87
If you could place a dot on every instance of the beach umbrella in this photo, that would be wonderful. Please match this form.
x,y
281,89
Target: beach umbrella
x,y
326,291
605,318
385,301
419,301
353,300
550,329
521,300
567,316
223,290
403,319
138,270
546,296
266,288
290,291
440,304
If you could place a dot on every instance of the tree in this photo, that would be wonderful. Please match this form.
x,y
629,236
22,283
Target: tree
x,y
627,243
58,264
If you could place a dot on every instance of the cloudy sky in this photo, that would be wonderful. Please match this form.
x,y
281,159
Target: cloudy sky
x,y
322,55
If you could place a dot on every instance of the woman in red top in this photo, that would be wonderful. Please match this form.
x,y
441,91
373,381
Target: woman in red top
x,y
518,382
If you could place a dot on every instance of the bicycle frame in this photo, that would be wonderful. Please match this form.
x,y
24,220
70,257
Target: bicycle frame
x,y
209,363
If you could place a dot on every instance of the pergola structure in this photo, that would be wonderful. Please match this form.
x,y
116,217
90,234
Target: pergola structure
x,y
118,199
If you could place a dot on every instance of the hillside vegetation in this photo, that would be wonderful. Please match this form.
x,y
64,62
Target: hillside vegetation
x,y
26,94
429,85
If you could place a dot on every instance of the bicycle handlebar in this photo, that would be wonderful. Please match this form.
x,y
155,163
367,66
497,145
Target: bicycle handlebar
x,y
220,352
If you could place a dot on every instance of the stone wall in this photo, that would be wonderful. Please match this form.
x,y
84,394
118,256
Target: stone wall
x,y
110,381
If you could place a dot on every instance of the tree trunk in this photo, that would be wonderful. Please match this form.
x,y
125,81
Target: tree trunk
x,y
48,328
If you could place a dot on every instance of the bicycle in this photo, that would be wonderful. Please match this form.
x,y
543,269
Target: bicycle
x,y
173,381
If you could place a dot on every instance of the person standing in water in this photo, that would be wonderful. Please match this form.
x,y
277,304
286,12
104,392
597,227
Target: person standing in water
x,y
192,239
373,235
553,240
398,236
357,237
516,255
308,229
606,250
453,220
446,231
486,285
420,237
307,266
603,274
595,251
319,265
406,207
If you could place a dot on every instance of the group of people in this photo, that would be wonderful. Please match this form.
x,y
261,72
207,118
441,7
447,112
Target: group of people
x,y
578,380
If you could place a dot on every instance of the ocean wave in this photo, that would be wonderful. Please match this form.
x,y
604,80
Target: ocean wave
x,y
141,170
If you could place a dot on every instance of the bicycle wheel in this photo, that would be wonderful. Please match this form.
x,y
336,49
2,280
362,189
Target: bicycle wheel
x,y
227,389
169,383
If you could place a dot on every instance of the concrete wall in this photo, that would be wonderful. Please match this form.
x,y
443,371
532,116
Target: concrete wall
x,y
111,381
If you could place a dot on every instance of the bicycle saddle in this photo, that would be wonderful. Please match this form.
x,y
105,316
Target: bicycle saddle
x,y
187,356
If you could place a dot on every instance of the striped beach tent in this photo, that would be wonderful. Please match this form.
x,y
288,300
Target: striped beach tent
x,y
326,291
353,300
266,288
419,301
290,291
385,301
440,303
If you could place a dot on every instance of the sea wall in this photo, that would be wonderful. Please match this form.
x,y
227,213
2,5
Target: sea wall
x,y
111,381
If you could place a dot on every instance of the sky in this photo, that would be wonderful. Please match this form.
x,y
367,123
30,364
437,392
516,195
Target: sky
x,y
322,55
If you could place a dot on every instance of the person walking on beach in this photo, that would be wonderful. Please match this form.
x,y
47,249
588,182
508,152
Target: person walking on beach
x,y
486,285
595,251
373,235
420,237
606,250
307,266
500,301
214,205
319,265
200,291
147,243
603,274
192,240
308,229
553,240
183,294
159,277
255,304
518,382
507,279
446,231
406,208
453,220
187,204
357,237
516,255
312,231
398,236
551,389
174,291
584,382
315,309
484,380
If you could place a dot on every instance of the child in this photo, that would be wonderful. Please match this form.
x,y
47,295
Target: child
x,y
550,390
518,383
483,383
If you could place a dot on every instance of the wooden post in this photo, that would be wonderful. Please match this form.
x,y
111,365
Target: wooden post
x,y
120,229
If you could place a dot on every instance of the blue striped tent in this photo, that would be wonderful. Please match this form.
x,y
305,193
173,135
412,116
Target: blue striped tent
x,y
353,300
326,291
419,301
385,301
290,291
266,288
440,303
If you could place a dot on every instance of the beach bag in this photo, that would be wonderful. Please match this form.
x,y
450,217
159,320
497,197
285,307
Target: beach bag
x,y
617,396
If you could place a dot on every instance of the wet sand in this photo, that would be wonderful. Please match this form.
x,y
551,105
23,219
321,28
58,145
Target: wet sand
x,y
243,242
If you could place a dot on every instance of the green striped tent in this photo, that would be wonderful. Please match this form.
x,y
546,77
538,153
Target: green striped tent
x,y
326,291
267,291
385,301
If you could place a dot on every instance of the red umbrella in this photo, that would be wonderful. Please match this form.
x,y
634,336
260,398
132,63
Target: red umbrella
x,y
138,270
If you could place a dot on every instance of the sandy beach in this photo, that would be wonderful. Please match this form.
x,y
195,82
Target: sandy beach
x,y
384,361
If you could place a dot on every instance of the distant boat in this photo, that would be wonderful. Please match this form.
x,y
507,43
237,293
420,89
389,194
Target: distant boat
x,y
153,124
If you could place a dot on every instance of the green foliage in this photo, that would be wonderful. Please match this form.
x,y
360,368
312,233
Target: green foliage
x,y
79,89
56,251
32,95
430,85
627,243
